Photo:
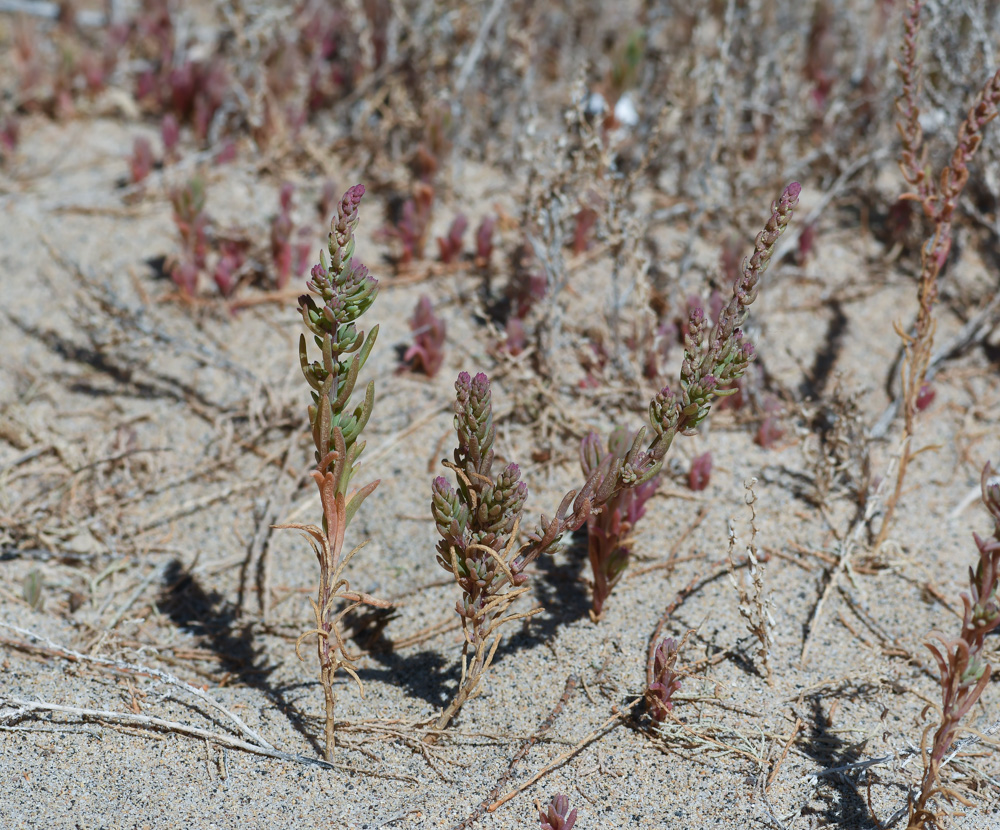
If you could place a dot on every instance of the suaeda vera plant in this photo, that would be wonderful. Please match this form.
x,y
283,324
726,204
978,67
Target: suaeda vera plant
x,y
712,365
479,520
346,291
964,674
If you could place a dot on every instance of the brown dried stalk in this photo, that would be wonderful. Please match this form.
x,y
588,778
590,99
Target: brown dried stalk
x,y
755,602
939,201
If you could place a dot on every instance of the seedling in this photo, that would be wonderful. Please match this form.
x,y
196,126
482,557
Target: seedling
x,y
192,224
347,291
426,354
558,816
700,471
288,254
450,246
665,680
141,161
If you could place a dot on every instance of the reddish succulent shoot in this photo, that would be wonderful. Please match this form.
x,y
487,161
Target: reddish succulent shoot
x,y
185,276
558,816
593,359
525,288
140,163
900,220
226,154
414,224
737,400
516,337
327,202
450,246
731,258
192,91
227,269
427,352
289,257
92,69
303,251
716,302
192,224
10,134
807,241
609,531
700,471
145,85
27,58
436,146
770,431
170,134
656,349
925,397
666,681
484,241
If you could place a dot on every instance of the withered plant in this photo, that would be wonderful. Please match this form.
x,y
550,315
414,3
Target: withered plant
x,y
939,199
756,602
479,521
964,674
346,290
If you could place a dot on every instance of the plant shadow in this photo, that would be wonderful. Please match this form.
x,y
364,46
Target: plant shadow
x,y
433,677
560,590
426,674
845,804
208,616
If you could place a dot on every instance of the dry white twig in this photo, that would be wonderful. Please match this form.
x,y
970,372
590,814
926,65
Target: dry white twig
x,y
151,672
21,708
755,603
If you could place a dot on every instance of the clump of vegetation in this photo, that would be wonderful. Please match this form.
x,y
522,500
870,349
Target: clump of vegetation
x,y
479,521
